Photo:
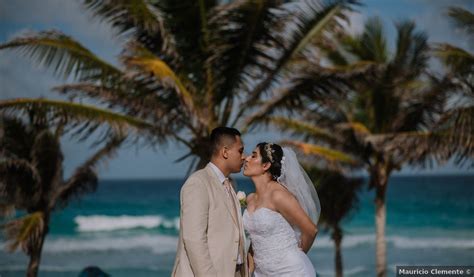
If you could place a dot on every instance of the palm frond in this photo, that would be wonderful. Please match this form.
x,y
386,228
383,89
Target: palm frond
x,y
113,97
311,83
266,109
126,14
356,127
454,137
15,138
310,21
144,61
209,76
423,105
381,101
76,113
463,19
142,103
371,45
236,33
412,51
459,60
19,183
328,154
299,127
47,159
84,179
24,232
187,21
65,56
140,18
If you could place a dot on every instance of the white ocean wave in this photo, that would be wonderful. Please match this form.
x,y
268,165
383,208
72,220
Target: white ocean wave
x,y
351,241
347,272
95,223
50,268
65,268
158,244
442,242
161,244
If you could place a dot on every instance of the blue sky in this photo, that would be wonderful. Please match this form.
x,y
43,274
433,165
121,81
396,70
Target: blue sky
x,y
21,78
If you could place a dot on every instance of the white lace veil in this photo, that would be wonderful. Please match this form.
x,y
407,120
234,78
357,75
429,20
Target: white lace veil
x,y
294,178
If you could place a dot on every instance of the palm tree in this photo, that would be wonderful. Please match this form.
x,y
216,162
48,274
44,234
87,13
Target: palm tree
x,y
188,66
383,109
339,198
31,172
458,61
459,64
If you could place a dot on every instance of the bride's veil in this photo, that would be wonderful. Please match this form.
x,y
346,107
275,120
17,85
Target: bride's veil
x,y
295,179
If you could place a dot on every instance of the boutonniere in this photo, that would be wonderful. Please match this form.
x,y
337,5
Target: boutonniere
x,y
242,198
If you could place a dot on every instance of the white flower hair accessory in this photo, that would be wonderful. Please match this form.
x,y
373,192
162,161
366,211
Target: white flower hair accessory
x,y
282,170
269,151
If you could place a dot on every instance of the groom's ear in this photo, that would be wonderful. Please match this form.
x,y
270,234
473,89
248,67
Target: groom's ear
x,y
224,152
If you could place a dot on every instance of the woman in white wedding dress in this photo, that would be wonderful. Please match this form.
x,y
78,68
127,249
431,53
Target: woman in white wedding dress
x,y
281,215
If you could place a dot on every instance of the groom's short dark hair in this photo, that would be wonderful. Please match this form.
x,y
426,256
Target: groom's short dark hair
x,y
219,134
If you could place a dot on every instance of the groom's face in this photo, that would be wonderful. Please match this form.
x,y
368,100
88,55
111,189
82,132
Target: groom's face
x,y
235,155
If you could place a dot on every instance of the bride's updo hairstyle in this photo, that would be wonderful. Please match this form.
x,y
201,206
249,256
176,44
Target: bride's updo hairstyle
x,y
271,153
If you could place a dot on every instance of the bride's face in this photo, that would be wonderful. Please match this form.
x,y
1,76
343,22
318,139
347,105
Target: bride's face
x,y
253,164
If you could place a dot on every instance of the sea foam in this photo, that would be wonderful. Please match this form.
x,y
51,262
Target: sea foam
x,y
158,244
401,242
95,223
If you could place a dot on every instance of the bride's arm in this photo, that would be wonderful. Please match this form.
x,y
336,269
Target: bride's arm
x,y
287,205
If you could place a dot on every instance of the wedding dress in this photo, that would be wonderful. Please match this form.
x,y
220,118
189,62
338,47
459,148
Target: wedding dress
x,y
274,241
275,245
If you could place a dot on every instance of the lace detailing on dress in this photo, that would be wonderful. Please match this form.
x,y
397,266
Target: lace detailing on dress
x,y
274,243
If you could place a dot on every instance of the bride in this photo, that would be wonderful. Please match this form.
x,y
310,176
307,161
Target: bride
x,y
282,214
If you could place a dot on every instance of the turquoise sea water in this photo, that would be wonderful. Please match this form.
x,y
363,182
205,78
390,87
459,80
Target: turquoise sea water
x,y
130,227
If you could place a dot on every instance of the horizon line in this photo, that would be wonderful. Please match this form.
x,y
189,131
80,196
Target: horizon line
x,y
240,177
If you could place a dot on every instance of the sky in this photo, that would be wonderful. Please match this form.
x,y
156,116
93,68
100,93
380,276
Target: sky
x,y
20,77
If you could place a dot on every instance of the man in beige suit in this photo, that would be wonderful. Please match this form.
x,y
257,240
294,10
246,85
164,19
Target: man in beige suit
x,y
211,241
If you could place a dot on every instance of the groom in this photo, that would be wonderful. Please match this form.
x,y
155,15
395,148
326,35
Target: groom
x,y
211,234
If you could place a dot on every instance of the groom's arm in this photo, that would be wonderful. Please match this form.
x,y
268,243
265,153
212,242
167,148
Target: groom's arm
x,y
195,212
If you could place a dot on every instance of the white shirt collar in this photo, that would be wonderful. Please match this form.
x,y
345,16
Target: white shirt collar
x,y
218,172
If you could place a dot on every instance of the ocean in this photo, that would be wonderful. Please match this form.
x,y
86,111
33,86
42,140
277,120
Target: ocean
x,y
130,228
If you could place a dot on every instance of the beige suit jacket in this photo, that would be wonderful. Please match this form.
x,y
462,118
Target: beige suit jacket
x,y
209,234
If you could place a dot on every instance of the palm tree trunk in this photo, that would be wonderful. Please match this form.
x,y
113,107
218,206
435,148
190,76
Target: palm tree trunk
x,y
337,237
35,258
379,179
35,255
380,221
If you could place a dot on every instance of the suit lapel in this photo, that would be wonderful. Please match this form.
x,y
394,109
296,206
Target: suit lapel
x,y
222,193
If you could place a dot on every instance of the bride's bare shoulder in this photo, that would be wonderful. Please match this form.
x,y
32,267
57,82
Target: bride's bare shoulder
x,y
280,195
